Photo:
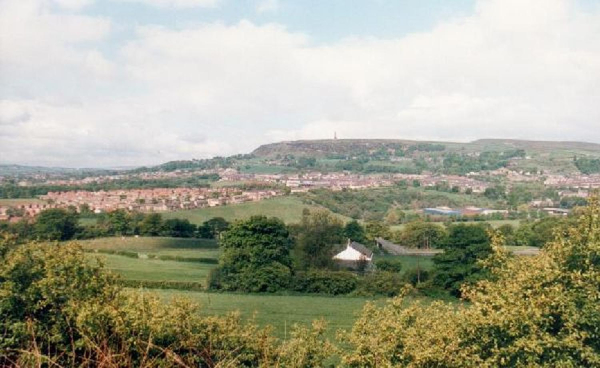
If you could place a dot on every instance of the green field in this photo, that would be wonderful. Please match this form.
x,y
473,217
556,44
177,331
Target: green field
x,y
155,270
20,201
278,311
289,209
410,263
206,248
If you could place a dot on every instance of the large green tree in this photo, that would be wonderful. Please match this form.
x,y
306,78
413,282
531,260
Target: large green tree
x,y
421,234
56,224
355,231
464,247
151,225
256,256
211,229
317,236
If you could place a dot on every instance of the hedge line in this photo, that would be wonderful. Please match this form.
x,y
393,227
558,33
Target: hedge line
x,y
178,285
131,254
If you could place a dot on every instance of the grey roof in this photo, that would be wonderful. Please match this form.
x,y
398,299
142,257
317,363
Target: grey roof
x,y
361,248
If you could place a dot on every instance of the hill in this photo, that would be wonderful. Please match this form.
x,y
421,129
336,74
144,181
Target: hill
x,y
327,147
406,156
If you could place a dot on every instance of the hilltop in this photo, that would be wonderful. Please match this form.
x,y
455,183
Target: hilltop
x,y
325,147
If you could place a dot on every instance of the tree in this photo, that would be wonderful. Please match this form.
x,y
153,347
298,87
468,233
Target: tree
x,y
421,234
56,224
317,236
464,247
178,228
212,228
376,229
256,256
354,231
497,192
508,232
151,224
119,222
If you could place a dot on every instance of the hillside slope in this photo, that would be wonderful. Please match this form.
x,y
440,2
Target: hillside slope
x,y
327,147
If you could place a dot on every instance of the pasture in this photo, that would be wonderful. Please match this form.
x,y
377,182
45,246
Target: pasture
x,y
146,266
289,209
19,201
142,269
278,311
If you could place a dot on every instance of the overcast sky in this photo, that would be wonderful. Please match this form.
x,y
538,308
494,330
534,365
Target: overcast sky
x,y
105,83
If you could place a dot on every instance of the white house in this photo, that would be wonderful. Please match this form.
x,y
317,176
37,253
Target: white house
x,y
354,252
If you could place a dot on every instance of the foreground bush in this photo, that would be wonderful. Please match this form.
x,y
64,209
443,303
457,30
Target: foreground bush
x,y
532,311
58,309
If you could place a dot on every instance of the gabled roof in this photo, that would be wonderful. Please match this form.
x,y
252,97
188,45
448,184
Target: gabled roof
x,y
361,248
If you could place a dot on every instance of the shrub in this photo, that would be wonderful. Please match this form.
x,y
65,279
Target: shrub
x,y
388,265
325,282
381,283
415,276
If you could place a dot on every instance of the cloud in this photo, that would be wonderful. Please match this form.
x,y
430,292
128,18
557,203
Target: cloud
x,y
267,6
73,4
518,69
34,37
181,4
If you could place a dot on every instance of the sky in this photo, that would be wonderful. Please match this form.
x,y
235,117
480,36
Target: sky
x,y
114,83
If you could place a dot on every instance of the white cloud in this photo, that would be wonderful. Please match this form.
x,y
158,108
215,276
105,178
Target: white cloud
x,y
267,6
74,4
176,3
522,69
32,36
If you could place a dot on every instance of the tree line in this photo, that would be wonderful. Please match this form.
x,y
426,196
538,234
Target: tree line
x,y
58,224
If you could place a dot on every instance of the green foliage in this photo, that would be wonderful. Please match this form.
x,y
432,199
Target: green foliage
x,y
178,228
151,225
508,232
354,231
376,229
256,256
465,246
495,193
58,309
56,224
317,236
540,311
420,234
381,283
388,265
460,164
587,165
325,282
212,228
375,204
571,202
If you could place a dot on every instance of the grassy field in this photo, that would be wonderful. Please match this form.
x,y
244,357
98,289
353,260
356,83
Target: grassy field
x,y
157,245
155,270
279,311
148,243
289,209
410,262
20,201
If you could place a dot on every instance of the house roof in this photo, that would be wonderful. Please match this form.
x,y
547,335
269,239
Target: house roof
x,y
361,248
